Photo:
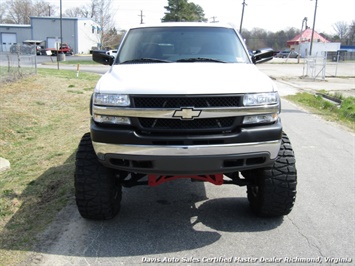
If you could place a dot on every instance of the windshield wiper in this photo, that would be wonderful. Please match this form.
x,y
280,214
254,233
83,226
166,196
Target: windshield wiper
x,y
200,59
145,60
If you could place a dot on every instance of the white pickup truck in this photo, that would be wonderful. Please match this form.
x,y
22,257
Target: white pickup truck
x,y
184,100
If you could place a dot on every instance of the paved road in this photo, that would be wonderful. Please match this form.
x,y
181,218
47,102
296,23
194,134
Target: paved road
x,y
201,224
45,62
293,74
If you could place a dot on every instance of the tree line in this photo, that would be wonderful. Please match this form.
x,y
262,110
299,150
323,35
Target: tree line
x,y
259,38
101,11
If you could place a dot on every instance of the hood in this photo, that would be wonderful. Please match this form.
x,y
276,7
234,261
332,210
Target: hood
x,y
184,78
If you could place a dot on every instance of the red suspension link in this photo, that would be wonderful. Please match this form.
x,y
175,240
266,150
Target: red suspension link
x,y
155,180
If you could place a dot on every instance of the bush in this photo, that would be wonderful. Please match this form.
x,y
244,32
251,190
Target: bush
x,y
347,109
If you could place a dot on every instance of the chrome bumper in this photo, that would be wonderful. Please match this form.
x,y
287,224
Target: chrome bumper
x,y
199,159
182,160
271,147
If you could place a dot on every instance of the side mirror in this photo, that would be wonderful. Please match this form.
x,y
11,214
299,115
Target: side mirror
x,y
102,58
262,55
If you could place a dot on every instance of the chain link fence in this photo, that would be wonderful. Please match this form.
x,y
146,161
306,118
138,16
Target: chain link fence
x,y
18,62
326,64
314,66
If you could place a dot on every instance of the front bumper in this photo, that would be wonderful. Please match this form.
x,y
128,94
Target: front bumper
x,y
124,149
204,159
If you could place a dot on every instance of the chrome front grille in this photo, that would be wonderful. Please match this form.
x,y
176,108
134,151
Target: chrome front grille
x,y
186,101
192,126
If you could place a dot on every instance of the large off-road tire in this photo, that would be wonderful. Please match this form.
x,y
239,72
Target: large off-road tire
x,y
97,192
273,190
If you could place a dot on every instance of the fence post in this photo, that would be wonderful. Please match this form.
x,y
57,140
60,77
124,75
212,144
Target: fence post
x,y
8,63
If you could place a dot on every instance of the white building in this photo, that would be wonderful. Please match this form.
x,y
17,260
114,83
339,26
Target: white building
x,y
302,44
82,34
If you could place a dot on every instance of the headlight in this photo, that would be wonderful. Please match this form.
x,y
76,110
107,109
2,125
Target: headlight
x,y
111,99
260,99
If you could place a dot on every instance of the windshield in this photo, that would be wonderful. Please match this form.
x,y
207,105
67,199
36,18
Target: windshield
x,y
182,44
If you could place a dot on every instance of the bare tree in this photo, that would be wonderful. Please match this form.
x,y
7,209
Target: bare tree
x,y
75,12
20,11
104,16
85,11
341,28
42,8
113,38
101,12
2,13
351,35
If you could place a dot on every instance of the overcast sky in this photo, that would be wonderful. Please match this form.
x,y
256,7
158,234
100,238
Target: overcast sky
x,y
271,15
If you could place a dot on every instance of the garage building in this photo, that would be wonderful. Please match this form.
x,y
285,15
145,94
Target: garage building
x,y
82,34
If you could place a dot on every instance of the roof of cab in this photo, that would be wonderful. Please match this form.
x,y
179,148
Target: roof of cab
x,y
184,24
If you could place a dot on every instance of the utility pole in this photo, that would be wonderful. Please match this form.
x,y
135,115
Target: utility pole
x,y
314,24
61,36
141,15
304,21
214,19
241,21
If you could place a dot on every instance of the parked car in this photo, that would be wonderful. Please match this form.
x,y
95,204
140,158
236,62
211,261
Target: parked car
x,y
112,52
287,54
40,50
64,48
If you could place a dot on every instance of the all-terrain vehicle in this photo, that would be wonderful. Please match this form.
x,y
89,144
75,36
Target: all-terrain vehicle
x,y
184,100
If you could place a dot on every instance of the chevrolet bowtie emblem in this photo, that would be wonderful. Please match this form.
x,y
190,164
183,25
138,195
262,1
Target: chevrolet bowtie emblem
x,y
187,113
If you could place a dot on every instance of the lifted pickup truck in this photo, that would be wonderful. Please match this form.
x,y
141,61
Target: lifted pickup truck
x,y
184,100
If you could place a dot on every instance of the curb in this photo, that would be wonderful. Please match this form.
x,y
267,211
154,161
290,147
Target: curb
x,y
4,165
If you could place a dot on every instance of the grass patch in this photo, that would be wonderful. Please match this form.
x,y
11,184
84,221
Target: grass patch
x,y
80,62
77,92
41,125
343,113
73,62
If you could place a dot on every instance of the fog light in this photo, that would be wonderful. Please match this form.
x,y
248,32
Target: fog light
x,y
260,119
118,120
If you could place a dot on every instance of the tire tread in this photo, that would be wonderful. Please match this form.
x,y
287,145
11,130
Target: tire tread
x,y
96,192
